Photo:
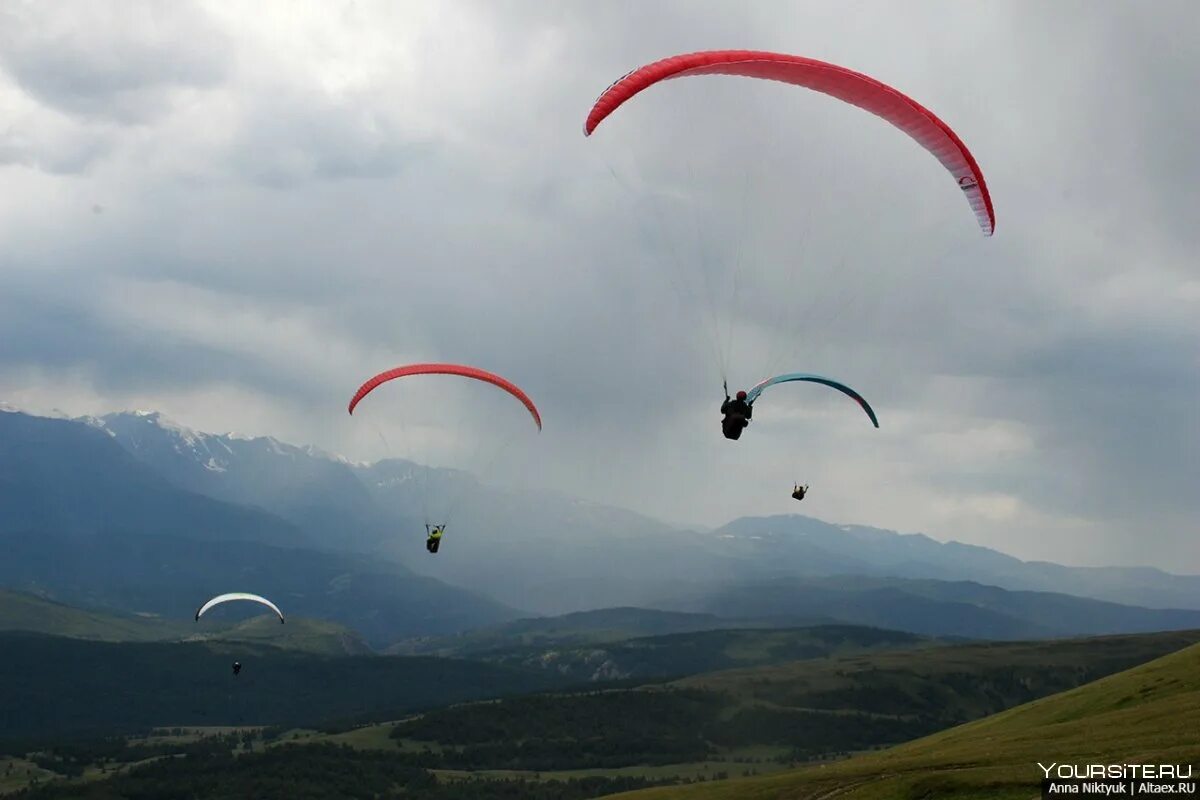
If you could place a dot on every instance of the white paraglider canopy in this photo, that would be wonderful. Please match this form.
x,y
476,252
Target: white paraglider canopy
x,y
225,598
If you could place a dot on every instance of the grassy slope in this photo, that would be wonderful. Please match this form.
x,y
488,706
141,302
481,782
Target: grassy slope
x,y
954,681
315,636
26,612
62,687
20,611
581,628
17,774
1148,714
677,654
961,682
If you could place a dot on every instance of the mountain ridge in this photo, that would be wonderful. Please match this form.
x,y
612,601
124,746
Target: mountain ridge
x,y
543,552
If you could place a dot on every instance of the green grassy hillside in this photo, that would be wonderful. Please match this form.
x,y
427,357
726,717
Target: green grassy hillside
x,y
20,611
58,687
788,713
950,684
1148,714
680,654
306,635
581,628
700,732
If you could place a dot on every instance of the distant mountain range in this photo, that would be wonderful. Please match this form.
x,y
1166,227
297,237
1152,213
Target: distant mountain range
x,y
320,495
548,553
934,608
84,522
134,512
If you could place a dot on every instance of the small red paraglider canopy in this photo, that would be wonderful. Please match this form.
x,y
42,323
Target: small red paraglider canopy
x,y
447,369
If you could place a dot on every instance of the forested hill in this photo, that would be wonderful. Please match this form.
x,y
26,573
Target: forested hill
x,y
54,686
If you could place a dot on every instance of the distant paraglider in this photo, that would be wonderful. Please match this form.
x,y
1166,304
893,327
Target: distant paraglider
x,y
433,538
434,533
232,596
446,369
799,491
237,668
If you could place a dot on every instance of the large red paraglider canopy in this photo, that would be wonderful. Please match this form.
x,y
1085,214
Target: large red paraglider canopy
x,y
852,87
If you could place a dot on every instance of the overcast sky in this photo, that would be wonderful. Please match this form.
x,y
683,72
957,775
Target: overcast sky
x,y
236,212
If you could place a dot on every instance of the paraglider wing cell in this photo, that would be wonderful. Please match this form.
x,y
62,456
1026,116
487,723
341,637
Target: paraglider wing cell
x,y
801,376
447,369
225,598
851,87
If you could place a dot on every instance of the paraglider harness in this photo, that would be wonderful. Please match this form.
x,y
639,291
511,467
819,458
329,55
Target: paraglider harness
x,y
435,537
799,491
737,415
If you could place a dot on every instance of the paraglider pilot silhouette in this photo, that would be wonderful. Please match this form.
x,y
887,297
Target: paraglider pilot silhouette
x,y
435,537
737,413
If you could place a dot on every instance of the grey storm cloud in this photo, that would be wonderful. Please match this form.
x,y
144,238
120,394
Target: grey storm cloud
x,y
289,141
117,61
294,199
